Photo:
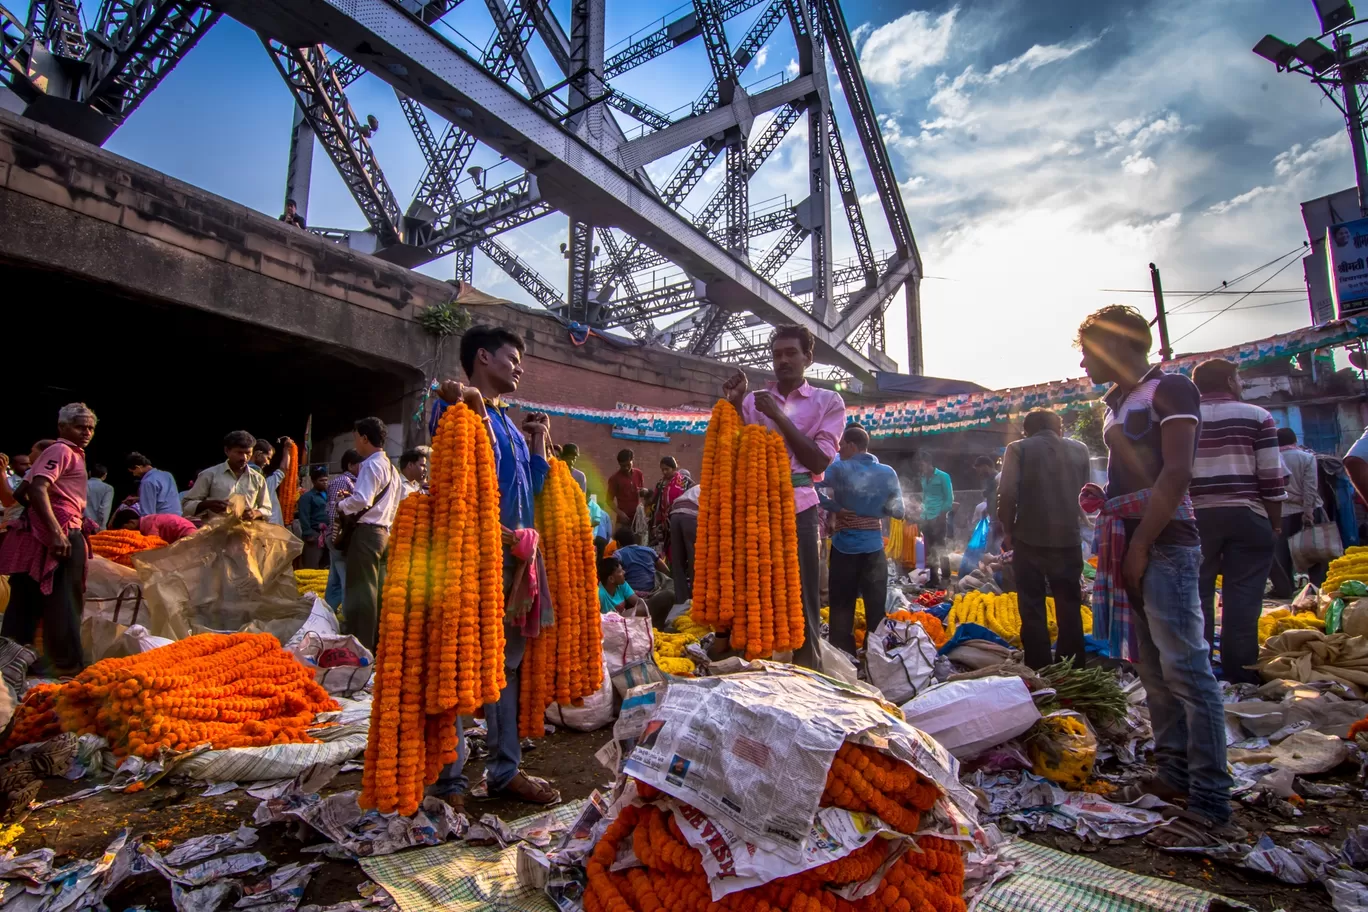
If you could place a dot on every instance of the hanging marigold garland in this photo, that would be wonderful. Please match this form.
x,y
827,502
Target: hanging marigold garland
x,y
746,577
228,690
929,878
288,492
563,664
440,652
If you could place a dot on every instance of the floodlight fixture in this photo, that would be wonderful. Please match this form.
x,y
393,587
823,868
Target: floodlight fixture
x,y
1276,51
1333,13
1315,55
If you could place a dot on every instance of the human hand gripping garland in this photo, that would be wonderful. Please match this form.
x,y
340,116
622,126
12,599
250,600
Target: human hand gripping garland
x,y
441,647
746,576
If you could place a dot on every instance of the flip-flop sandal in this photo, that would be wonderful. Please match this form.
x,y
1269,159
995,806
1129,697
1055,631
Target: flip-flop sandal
x,y
530,789
15,805
16,775
455,802
54,757
1186,830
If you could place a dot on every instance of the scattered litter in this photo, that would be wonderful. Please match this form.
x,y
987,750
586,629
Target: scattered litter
x,y
202,847
220,788
279,891
1089,817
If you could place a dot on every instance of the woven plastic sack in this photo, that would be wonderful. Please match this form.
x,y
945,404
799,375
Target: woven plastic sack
x,y
1315,544
338,679
596,712
901,659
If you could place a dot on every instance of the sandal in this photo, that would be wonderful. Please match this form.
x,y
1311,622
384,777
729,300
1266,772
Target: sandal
x,y
453,801
1143,788
1186,830
530,789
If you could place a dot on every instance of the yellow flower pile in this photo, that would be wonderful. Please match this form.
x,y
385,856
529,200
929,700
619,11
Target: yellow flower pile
x,y
1282,619
315,581
9,834
1063,751
671,649
1352,566
1000,614
861,628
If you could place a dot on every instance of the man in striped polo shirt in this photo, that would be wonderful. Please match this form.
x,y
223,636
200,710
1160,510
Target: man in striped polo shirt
x,y
1237,490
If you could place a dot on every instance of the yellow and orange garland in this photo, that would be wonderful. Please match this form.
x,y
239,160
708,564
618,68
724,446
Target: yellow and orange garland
x,y
288,492
119,545
564,663
746,577
440,651
929,878
228,690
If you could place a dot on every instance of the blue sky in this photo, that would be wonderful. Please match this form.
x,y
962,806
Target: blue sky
x,y
1045,150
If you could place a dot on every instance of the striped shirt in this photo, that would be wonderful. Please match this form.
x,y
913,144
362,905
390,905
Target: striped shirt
x,y
1238,463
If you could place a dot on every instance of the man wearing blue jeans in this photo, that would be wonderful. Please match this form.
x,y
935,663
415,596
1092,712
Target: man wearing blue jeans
x,y
339,489
1149,555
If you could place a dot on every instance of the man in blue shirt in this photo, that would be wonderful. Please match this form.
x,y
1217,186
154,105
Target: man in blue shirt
x,y
859,491
492,358
156,489
938,496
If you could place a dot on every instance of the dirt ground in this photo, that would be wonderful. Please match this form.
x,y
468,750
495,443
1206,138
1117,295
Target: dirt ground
x,y
176,812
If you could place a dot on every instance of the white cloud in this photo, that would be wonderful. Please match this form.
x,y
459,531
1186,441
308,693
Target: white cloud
x,y
1235,202
1138,163
901,49
859,34
951,97
1299,159
792,69
761,56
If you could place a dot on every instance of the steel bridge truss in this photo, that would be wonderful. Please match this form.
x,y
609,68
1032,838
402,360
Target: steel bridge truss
x,y
573,154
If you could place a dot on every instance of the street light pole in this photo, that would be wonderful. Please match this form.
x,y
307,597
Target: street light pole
x,y
1353,113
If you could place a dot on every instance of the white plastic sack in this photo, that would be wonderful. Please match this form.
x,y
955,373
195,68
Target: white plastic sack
x,y
136,639
322,620
113,601
626,641
901,659
596,712
277,761
340,679
968,717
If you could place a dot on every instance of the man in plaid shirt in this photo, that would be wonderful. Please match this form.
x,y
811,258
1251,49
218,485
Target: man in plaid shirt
x,y
340,487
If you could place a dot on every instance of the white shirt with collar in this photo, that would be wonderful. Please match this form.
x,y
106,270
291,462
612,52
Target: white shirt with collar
x,y
379,483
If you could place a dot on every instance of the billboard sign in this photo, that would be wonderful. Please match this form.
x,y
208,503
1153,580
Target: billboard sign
x,y
1346,250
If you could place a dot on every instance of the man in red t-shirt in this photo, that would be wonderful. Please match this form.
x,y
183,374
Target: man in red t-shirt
x,y
625,488
45,553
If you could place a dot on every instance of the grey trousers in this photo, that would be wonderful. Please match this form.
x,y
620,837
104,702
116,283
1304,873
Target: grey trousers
x,y
809,571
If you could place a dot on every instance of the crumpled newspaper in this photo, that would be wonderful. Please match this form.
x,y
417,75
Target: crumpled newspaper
x,y
78,885
363,833
201,847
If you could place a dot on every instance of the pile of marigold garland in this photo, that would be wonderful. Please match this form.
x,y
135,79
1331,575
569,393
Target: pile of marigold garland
x,y
746,569
228,690
564,664
288,492
119,545
440,652
928,879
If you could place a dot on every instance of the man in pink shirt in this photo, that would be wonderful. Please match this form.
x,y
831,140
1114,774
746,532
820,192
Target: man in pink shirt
x,y
45,552
812,421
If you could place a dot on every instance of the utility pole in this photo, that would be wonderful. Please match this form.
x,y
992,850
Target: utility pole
x,y
1349,75
1165,353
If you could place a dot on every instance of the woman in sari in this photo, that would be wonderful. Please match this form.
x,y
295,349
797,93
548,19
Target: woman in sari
x,y
673,482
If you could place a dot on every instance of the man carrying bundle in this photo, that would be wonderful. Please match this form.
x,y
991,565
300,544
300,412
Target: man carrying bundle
x,y
810,420
492,358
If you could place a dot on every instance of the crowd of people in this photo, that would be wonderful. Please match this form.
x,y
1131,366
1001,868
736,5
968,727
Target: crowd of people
x,y
1199,485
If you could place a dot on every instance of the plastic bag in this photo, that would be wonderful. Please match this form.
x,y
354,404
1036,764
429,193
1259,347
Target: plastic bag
x,y
231,573
969,717
344,679
901,659
627,646
136,639
596,712
978,544
1333,616
1064,750
113,601
1315,544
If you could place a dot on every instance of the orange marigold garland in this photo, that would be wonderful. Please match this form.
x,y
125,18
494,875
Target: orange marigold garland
x,y
288,492
228,690
926,878
746,578
119,545
563,664
441,644
929,622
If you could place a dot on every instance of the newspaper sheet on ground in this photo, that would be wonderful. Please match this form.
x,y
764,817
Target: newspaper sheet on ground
x,y
752,750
